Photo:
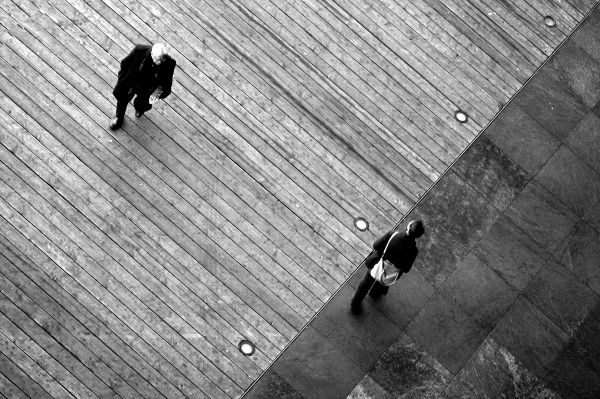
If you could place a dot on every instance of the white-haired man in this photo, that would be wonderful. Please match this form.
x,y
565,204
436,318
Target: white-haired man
x,y
147,73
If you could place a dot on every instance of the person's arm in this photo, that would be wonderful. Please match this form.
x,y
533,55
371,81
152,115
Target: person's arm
x,y
128,60
409,260
381,242
167,79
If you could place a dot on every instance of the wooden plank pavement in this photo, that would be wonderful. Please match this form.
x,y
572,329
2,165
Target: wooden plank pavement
x,y
133,262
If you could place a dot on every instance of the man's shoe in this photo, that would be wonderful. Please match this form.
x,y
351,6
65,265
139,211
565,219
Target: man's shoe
x,y
115,123
138,114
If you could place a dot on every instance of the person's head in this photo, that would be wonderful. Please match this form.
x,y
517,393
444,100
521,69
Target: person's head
x,y
159,53
415,228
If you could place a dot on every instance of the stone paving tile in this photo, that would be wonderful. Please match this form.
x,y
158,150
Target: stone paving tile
x,y
542,392
404,299
511,253
580,253
369,389
521,138
316,368
458,390
571,180
592,216
479,292
494,372
548,99
575,374
440,250
486,167
363,337
585,141
579,71
530,336
446,332
405,370
560,296
541,216
270,386
588,334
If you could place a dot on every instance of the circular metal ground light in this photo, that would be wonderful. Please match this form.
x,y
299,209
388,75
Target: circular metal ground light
x,y
461,116
361,223
549,21
246,347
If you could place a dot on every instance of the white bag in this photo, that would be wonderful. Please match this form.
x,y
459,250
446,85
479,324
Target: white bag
x,y
380,271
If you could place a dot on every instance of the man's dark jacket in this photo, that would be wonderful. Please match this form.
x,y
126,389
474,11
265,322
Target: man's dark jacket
x,y
138,72
402,252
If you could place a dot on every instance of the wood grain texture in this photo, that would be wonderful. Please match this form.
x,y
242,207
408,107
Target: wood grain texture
x,y
134,261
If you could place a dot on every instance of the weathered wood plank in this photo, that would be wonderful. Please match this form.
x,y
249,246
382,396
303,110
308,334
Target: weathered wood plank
x,y
21,379
8,389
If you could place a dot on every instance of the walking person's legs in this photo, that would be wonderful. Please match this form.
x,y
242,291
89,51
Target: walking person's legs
x,y
361,291
378,290
122,102
141,104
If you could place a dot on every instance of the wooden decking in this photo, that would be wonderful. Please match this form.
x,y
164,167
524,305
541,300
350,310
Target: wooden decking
x,y
133,262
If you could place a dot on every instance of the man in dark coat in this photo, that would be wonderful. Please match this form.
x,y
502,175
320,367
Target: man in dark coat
x,y
400,254
147,72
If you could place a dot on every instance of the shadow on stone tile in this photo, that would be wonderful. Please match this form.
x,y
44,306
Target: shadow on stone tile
x,y
458,208
446,332
479,292
560,296
548,99
270,386
511,253
494,372
316,368
580,253
575,370
585,141
578,71
486,167
521,138
369,389
361,337
571,180
530,336
405,370
541,216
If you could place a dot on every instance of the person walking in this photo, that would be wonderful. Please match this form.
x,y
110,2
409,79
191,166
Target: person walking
x,y
147,73
394,254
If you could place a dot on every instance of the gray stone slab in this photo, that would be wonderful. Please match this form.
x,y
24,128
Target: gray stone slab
x,y
578,71
588,334
580,253
511,253
369,389
458,390
486,167
313,366
571,180
585,141
479,291
494,372
541,216
541,391
405,370
459,208
587,36
561,296
592,216
575,373
548,99
270,386
530,336
361,337
440,250
522,138
446,332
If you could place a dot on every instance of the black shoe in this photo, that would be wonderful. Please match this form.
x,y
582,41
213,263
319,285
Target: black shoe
x,y
138,114
115,123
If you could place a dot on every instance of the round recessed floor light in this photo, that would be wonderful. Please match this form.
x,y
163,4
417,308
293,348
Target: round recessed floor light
x,y
246,347
549,21
461,116
361,223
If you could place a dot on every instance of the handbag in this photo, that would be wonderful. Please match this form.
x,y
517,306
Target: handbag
x,y
378,272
